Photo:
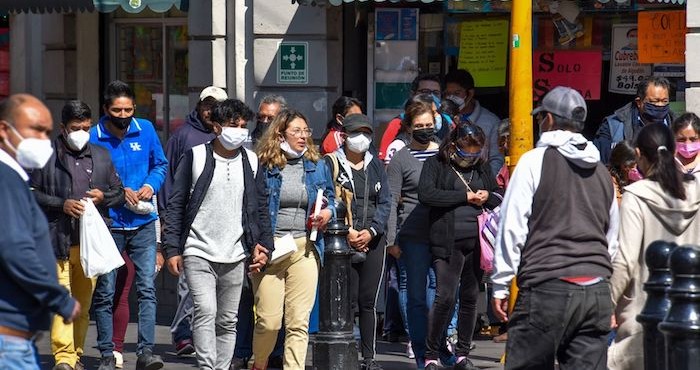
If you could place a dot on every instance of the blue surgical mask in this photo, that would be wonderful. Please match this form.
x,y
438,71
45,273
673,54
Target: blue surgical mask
x,y
438,122
655,113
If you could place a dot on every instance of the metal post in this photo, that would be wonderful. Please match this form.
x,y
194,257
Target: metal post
x,y
520,87
681,327
657,304
334,344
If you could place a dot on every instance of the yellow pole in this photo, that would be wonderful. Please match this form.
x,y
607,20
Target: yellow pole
x,y
520,88
520,94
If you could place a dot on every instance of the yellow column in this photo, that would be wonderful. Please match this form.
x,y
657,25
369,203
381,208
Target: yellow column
x,y
520,94
520,87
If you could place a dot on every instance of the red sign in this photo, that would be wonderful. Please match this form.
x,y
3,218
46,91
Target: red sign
x,y
580,70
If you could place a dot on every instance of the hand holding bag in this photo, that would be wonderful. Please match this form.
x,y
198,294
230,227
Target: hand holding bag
x,y
98,251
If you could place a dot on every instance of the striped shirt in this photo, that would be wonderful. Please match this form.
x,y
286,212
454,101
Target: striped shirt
x,y
422,155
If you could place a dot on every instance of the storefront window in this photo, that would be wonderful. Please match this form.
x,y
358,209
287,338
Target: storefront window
x,y
4,56
152,58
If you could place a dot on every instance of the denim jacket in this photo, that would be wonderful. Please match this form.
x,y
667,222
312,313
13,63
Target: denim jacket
x,y
317,176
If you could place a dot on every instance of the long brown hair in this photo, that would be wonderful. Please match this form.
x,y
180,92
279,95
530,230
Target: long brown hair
x,y
268,149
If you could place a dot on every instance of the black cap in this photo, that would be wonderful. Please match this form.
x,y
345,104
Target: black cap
x,y
356,122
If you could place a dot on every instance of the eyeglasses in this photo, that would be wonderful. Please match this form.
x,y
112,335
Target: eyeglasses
x,y
437,93
265,118
300,133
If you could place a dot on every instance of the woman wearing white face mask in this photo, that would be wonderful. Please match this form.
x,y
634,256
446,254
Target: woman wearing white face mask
x,y
216,225
77,171
362,186
294,175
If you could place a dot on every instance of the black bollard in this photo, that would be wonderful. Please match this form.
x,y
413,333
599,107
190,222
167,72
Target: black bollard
x,y
657,304
681,327
334,344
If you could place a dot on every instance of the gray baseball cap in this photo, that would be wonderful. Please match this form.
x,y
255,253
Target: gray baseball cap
x,y
564,102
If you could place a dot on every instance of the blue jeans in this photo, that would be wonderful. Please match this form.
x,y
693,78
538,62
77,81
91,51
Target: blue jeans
x,y
18,353
140,245
416,262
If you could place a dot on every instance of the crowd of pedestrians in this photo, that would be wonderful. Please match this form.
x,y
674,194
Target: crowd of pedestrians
x,y
238,215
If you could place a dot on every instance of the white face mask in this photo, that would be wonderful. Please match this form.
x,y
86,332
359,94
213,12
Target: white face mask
x,y
78,139
31,153
232,138
291,153
457,100
358,142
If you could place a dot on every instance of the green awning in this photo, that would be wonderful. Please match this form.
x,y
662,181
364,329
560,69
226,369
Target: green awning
x,y
105,6
136,6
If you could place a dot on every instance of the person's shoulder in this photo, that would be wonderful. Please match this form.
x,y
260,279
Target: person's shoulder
x,y
9,178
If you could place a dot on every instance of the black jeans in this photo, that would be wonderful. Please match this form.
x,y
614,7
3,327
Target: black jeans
x,y
460,271
562,320
365,278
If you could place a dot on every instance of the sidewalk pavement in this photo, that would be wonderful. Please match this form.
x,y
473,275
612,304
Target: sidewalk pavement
x,y
392,356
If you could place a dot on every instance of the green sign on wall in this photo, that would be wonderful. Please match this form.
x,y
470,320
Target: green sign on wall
x,y
292,63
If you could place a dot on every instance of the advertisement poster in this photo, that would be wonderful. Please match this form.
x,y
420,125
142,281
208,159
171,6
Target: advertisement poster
x,y
625,70
397,24
662,36
580,70
483,51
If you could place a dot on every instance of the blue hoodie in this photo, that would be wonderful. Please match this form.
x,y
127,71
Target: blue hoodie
x,y
138,159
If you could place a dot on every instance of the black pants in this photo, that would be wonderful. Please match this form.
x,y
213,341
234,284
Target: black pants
x,y
460,271
365,278
562,320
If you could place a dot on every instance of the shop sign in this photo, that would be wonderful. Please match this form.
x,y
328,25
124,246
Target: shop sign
x,y
625,70
662,36
580,70
292,63
483,51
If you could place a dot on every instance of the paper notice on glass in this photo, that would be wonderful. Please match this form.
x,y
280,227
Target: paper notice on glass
x,y
625,70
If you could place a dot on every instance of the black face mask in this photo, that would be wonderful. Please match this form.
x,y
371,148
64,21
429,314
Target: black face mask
x,y
423,136
120,123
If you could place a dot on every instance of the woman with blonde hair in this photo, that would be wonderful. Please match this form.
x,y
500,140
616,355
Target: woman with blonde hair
x,y
287,288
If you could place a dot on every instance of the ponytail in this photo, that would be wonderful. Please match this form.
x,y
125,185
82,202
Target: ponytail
x,y
666,172
657,145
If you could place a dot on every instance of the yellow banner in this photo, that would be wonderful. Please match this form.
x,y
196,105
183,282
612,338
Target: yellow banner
x,y
483,48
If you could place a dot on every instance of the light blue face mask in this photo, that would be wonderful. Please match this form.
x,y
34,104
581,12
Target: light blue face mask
x,y
438,122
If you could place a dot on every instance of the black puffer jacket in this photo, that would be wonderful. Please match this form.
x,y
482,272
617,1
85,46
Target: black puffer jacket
x,y
52,185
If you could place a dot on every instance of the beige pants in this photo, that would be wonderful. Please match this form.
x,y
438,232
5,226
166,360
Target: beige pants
x,y
627,354
286,289
68,340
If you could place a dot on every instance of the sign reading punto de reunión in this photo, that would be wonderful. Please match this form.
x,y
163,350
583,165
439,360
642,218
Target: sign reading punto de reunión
x,y
292,63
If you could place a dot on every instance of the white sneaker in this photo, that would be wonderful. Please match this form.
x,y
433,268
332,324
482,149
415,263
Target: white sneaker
x,y
409,351
119,359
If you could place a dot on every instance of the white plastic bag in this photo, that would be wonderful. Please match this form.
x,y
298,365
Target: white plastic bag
x,y
98,252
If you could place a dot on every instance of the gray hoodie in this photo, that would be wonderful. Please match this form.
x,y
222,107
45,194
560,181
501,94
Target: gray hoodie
x,y
647,214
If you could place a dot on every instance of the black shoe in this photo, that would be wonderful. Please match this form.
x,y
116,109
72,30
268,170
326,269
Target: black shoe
x,y
370,364
432,366
148,361
465,365
107,363
275,362
62,366
238,363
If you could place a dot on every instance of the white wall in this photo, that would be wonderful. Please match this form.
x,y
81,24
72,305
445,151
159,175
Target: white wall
x,y
692,57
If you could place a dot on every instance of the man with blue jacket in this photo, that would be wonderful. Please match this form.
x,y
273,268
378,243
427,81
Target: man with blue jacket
x,y
139,160
651,105
29,292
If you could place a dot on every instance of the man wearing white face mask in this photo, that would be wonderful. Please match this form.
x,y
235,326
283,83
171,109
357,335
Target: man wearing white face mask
x,y
76,171
30,291
217,218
